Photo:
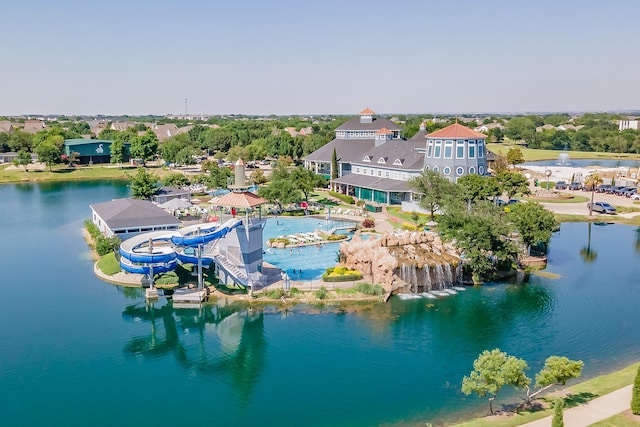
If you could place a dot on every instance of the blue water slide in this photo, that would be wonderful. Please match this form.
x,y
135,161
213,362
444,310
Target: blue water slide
x,y
190,256
127,266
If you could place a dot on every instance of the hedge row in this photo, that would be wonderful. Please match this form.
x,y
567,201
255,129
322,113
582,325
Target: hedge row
x,y
347,199
341,274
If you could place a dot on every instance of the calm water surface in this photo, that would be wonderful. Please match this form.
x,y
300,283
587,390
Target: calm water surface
x,y
77,351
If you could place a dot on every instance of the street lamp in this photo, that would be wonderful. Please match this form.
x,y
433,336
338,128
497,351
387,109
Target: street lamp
x,y
548,174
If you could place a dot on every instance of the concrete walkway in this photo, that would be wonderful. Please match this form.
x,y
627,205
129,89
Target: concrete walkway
x,y
593,411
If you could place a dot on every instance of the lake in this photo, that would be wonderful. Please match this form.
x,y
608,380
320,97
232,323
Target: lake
x,y
78,351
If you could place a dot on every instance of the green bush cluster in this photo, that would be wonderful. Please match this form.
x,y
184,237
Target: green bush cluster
x,y
103,245
558,420
341,274
347,199
369,289
409,226
337,237
322,293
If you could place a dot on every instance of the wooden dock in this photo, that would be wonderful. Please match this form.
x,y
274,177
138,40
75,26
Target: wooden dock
x,y
190,296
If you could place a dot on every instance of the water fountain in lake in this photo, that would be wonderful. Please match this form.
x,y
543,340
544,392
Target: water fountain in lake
x,y
563,159
414,262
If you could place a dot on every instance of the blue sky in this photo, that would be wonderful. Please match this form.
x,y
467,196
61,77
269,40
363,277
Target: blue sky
x,y
301,57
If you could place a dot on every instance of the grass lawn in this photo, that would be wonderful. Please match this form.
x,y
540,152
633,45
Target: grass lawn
x,y
620,420
531,154
108,264
62,173
579,393
396,212
598,218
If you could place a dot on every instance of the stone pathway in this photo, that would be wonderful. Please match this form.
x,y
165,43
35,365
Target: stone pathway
x,y
593,411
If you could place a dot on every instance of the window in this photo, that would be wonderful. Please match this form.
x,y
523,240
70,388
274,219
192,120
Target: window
x,y
460,150
435,169
446,171
480,149
459,171
386,174
481,170
472,170
371,172
395,175
448,149
357,170
436,153
472,149
427,167
429,149
379,173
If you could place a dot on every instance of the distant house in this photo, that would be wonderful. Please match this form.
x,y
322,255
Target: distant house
x,y
569,127
6,126
127,217
164,194
488,126
122,126
165,131
545,127
33,126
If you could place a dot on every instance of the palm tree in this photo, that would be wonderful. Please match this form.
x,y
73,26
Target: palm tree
x,y
592,182
588,254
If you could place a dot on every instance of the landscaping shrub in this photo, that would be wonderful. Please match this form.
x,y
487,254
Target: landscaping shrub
x,y
168,278
92,229
635,396
409,226
275,293
557,420
368,223
104,245
369,289
337,237
341,274
322,293
108,264
347,199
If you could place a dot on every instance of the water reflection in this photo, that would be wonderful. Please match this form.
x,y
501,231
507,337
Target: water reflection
x,y
214,341
588,255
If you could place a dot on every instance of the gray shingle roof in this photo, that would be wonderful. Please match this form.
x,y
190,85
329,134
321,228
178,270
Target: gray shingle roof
x,y
347,150
392,150
129,213
384,184
376,124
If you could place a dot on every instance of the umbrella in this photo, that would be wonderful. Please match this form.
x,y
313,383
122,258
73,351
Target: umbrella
x,y
176,204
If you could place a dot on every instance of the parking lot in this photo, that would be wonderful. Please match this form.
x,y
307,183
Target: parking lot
x,y
581,208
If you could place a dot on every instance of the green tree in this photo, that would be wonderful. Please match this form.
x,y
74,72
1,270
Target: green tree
x,y
513,183
50,150
474,188
514,156
119,152
143,184
281,189
334,165
493,370
534,223
20,140
557,370
433,188
558,418
185,156
306,181
635,395
23,159
145,146
257,177
170,150
176,180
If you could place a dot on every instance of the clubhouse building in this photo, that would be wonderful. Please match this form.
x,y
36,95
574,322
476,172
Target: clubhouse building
x,y
375,162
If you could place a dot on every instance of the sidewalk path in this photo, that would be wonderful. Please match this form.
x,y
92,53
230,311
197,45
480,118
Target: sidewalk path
x,y
593,411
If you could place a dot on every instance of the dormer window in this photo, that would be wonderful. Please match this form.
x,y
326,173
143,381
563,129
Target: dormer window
x,y
398,162
382,160
366,159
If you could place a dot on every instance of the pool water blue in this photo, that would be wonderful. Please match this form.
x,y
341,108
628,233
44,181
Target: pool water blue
x,y
309,262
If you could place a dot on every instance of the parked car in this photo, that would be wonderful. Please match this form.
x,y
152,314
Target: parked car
x,y
575,186
561,185
635,196
602,207
501,202
613,189
602,188
630,191
620,191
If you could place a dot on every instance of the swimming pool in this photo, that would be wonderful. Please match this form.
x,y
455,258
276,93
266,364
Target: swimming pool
x,y
309,262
